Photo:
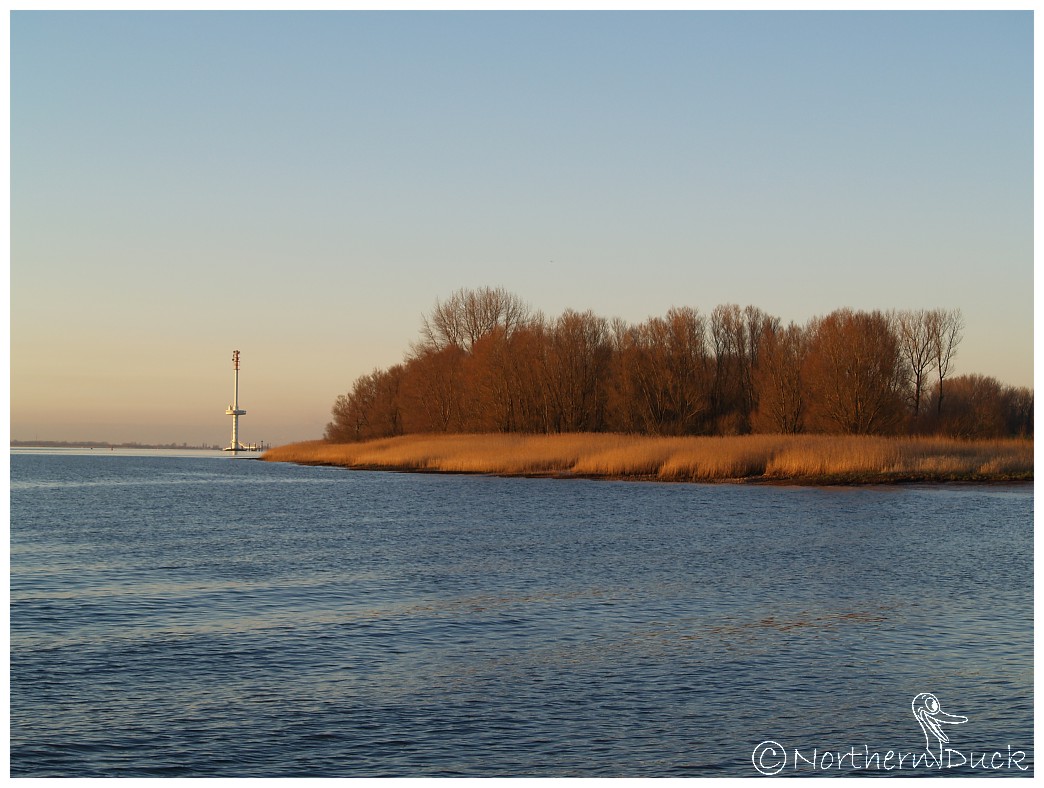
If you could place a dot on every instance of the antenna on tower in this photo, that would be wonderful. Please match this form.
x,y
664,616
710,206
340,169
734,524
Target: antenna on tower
x,y
233,410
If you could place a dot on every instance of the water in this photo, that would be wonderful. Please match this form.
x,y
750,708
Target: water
x,y
203,615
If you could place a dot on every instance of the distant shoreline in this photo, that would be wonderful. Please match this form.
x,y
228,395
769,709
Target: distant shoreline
x,y
105,445
813,460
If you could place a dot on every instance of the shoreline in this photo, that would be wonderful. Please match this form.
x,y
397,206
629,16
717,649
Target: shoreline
x,y
766,481
805,460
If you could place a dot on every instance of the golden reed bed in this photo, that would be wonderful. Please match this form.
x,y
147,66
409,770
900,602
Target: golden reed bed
x,y
812,459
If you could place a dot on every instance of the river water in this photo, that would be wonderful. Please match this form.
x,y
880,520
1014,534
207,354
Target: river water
x,y
199,615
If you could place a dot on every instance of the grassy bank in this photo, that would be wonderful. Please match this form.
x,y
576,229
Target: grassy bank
x,y
813,459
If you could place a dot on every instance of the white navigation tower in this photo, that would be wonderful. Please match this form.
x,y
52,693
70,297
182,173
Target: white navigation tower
x,y
233,409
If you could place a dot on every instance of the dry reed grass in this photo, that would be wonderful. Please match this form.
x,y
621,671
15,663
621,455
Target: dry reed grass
x,y
805,458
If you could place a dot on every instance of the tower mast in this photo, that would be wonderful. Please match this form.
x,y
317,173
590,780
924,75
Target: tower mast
x,y
233,409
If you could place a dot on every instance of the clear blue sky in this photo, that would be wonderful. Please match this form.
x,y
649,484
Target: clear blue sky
x,y
303,186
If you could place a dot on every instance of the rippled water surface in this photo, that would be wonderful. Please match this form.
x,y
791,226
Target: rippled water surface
x,y
203,615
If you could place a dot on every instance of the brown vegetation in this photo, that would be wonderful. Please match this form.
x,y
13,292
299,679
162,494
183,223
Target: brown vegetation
x,y
798,458
485,364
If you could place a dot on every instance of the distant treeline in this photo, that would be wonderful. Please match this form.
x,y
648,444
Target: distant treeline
x,y
486,363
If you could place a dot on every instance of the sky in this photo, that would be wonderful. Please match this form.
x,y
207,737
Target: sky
x,y
304,186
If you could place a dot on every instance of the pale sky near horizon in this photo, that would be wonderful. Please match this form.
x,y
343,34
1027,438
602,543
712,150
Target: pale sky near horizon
x,y
304,186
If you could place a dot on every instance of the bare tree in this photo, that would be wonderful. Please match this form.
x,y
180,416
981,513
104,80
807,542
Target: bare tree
x,y
855,372
469,315
728,332
1018,411
370,410
916,350
759,325
736,336
975,407
576,362
778,377
945,330
505,387
434,388
666,374
347,422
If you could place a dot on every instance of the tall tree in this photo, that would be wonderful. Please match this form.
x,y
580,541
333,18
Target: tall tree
x,y
779,380
728,331
855,372
759,325
917,349
736,337
506,388
667,373
576,364
946,330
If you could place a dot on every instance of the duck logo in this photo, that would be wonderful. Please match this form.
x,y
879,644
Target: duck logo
x,y
930,716
771,757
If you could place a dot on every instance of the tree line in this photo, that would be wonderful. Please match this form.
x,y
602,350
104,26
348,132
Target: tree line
x,y
485,362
